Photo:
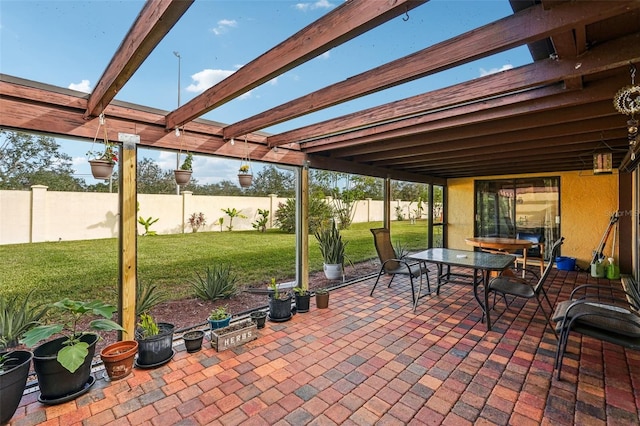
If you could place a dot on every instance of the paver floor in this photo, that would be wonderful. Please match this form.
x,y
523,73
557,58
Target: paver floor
x,y
370,360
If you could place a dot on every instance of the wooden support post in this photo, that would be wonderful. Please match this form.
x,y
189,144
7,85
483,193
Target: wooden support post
x,y
303,229
128,233
387,204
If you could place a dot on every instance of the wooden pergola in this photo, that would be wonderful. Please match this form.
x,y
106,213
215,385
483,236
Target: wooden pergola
x,y
547,116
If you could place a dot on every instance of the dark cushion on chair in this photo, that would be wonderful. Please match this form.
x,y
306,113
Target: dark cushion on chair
x,y
512,285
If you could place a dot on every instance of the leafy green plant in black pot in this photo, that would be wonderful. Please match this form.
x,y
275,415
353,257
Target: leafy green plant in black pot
x,y
63,365
279,303
303,299
155,342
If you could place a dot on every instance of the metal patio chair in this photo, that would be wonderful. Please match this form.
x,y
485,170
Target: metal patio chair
x,y
390,265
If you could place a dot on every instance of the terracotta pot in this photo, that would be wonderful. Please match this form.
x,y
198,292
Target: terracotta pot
x,y
182,176
245,179
118,358
101,169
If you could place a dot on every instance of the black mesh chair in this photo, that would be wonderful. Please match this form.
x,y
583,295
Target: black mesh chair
x,y
602,312
519,287
535,252
390,265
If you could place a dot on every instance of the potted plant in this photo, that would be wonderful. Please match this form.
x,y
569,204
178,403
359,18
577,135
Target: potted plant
x,y
244,176
63,365
279,303
14,370
219,317
193,340
322,298
183,174
155,342
303,299
332,249
102,162
118,358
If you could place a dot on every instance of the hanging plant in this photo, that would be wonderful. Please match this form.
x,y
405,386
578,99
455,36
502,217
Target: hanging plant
x,y
102,162
183,174
245,176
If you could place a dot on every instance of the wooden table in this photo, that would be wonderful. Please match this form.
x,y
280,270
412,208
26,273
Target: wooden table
x,y
500,245
485,263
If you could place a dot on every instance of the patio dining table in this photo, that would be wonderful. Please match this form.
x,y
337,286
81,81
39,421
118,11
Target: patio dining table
x,y
482,264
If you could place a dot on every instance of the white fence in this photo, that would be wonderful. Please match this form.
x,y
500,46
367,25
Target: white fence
x,y
40,215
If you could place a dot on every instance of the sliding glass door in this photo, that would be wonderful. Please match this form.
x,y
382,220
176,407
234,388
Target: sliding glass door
x,y
511,207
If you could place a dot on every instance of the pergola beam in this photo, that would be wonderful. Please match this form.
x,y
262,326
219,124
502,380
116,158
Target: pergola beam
x,y
619,53
155,20
524,27
345,22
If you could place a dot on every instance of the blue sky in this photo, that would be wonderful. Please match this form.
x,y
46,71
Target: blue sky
x,y
69,44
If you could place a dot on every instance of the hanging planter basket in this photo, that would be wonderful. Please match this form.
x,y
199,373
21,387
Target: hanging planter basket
x,y
182,176
103,161
101,169
245,179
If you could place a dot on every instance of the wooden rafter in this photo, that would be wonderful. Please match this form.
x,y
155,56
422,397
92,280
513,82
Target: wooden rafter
x,y
338,26
154,21
524,27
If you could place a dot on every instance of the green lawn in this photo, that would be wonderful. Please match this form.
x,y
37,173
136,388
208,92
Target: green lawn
x,y
86,270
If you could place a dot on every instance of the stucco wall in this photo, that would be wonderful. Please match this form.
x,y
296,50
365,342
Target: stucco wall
x,y
586,205
41,215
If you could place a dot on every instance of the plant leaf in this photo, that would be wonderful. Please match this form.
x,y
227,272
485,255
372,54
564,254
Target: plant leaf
x,y
41,332
71,357
105,325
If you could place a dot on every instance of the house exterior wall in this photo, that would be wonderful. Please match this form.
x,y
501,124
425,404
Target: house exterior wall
x,y
586,205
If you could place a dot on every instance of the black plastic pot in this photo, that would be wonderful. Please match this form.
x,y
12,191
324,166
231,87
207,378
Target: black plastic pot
x,y
57,384
12,383
259,317
155,350
193,340
303,302
280,309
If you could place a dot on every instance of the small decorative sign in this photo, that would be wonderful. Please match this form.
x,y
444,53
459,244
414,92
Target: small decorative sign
x,y
233,335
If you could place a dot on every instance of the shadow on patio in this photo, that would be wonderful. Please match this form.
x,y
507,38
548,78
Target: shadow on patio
x,y
369,360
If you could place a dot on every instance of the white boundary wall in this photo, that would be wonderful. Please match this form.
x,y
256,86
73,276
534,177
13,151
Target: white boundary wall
x,y
40,215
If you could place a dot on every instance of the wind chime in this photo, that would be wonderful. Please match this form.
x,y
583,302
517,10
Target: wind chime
x,y
627,102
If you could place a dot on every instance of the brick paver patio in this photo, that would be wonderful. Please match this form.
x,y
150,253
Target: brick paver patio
x,y
371,360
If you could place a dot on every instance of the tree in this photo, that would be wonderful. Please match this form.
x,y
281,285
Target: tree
x,y
153,180
27,159
270,180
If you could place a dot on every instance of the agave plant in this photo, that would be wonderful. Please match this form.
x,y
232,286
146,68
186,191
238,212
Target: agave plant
x,y
17,318
218,282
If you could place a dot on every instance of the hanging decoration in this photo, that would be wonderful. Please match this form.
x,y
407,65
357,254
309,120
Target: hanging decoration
x,y
627,102
102,162
245,175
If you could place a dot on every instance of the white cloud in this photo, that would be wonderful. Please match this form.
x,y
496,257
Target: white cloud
x,y
83,86
224,25
484,72
319,4
207,78
325,55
